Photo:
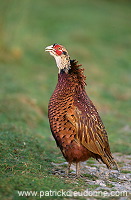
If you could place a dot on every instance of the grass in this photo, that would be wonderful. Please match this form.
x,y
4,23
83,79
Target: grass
x,y
125,171
98,34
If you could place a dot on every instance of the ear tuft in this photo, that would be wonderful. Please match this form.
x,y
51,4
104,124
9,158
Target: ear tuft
x,y
64,52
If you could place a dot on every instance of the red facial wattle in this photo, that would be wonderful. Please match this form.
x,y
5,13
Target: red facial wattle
x,y
58,52
58,49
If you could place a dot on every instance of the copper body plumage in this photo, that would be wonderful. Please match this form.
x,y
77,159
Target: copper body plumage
x,y
74,120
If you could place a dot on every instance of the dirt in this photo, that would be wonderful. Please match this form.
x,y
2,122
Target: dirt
x,y
102,182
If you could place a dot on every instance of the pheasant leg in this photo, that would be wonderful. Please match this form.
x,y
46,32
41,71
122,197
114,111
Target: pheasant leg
x,y
78,169
68,169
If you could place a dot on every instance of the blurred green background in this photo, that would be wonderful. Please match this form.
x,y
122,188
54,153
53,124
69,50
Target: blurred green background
x,y
98,34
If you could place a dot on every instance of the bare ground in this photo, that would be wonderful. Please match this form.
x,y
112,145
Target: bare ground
x,y
100,180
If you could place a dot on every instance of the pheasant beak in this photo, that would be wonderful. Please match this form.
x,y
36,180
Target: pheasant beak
x,y
49,48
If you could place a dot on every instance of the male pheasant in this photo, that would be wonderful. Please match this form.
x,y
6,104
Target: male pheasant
x,y
74,120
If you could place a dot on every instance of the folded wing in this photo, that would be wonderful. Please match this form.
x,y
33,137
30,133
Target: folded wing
x,y
91,133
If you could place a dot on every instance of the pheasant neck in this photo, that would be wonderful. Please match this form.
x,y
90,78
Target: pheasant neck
x,y
63,63
65,83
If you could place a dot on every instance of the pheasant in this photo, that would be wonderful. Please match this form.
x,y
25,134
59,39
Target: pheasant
x,y
74,121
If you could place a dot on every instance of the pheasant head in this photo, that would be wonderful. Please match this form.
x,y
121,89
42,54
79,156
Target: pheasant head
x,y
61,56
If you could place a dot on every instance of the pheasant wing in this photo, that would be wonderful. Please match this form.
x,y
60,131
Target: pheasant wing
x,y
91,133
